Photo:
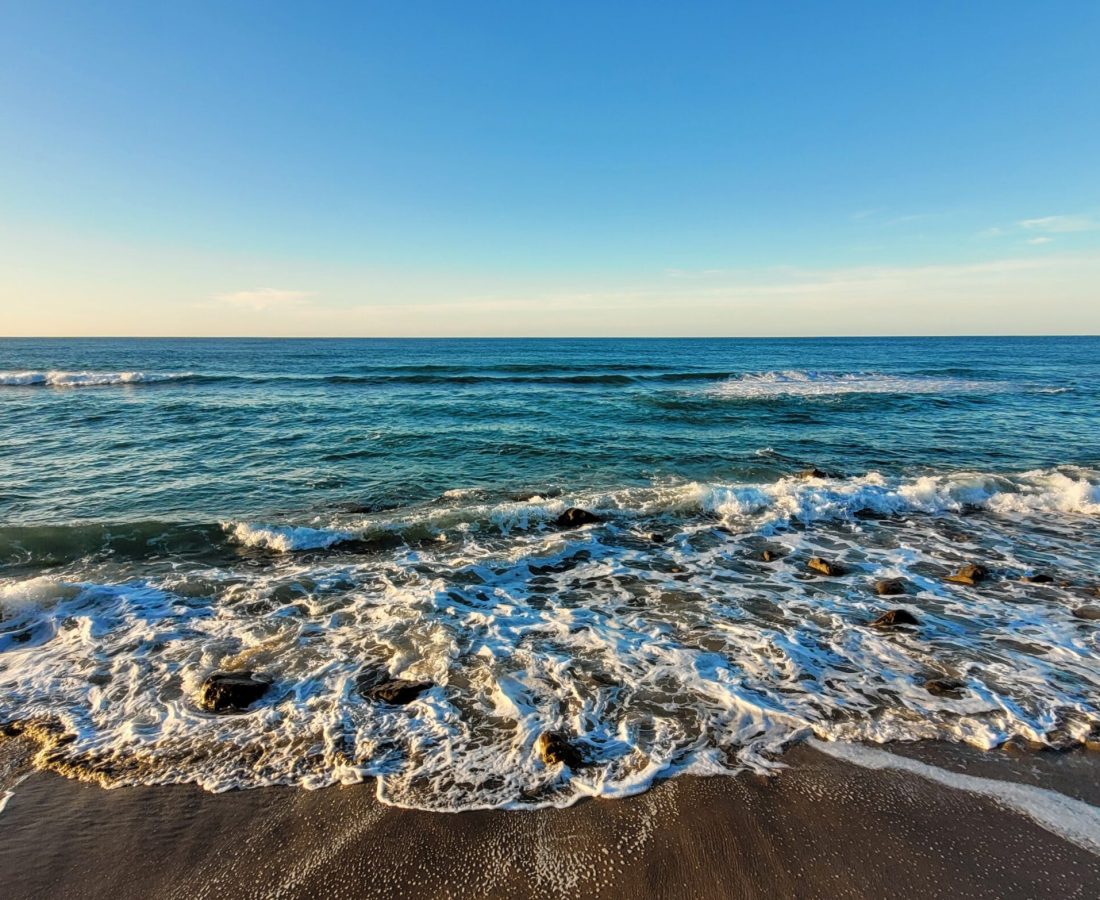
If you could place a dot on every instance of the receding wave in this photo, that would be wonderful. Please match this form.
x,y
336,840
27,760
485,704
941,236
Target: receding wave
x,y
684,631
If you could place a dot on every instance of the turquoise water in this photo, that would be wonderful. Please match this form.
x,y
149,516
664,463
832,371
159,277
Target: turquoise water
x,y
311,510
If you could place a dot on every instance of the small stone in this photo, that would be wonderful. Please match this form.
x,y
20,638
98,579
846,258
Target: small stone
x,y
396,692
894,618
825,566
1089,613
574,517
890,587
1038,578
969,575
555,748
944,687
232,691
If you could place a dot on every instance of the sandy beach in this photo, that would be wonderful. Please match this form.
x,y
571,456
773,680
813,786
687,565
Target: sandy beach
x,y
823,827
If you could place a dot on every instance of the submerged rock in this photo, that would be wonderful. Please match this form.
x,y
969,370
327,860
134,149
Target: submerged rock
x,y
944,687
767,555
1038,578
574,517
812,472
970,575
1089,613
895,617
825,566
555,748
232,691
395,691
890,587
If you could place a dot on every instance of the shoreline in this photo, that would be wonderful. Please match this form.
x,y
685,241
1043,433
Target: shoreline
x,y
821,827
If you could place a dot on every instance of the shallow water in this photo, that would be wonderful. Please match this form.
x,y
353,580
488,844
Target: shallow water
x,y
317,510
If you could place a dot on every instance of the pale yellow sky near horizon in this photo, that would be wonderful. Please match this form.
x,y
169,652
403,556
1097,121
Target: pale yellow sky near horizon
x,y
114,290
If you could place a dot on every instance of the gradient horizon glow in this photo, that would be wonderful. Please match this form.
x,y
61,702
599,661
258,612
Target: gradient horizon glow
x,y
493,168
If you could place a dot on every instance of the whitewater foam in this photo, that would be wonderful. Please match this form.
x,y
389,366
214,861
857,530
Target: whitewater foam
x,y
54,378
688,655
820,384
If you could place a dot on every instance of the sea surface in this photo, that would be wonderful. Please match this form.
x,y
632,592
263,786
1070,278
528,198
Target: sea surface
x,y
327,514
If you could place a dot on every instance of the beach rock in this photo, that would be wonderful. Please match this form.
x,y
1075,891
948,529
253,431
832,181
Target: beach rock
x,y
970,575
890,587
895,617
944,687
1038,578
395,691
232,691
1089,613
825,566
574,517
555,748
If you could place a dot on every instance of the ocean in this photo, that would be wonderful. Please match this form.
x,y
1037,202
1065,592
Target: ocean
x,y
325,515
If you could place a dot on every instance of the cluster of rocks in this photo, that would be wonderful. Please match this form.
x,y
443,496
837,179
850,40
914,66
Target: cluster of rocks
x,y
230,692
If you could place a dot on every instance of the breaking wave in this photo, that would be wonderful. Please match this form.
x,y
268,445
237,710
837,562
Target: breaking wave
x,y
820,384
659,640
60,379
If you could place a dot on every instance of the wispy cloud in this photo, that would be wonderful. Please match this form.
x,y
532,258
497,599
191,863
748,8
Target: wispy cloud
x,y
262,299
1042,239
1058,224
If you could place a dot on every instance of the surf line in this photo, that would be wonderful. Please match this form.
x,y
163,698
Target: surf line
x,y
1073,820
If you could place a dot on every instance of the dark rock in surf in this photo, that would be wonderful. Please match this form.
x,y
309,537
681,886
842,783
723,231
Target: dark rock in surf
x,y
944,687
1038,578
894,618
1088,613
554,748
890,587
574,517
767,555
396,691
969,575
232,691
825,566
812,472
655,537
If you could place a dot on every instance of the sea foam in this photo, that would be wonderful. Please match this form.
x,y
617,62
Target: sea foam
x,y
61,379
819,384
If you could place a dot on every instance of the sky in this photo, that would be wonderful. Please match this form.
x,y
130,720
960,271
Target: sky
x,y
502,168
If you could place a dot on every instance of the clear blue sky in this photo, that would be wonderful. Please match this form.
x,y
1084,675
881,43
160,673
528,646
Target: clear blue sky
x,y
549,168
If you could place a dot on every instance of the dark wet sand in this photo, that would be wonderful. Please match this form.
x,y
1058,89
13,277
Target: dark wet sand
x,y
822,828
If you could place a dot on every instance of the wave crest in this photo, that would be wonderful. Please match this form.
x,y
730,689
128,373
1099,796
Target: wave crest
x,y
821,384
56,378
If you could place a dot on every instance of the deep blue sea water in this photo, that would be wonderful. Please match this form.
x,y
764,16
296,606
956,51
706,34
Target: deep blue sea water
x,y
324,511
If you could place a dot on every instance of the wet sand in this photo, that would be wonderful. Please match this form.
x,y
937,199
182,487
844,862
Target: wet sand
x,y
822,828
